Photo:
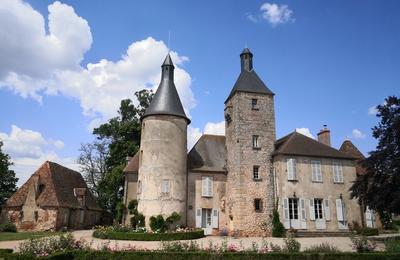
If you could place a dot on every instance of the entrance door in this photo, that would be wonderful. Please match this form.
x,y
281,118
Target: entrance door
x,y
320,222
294,213
206,221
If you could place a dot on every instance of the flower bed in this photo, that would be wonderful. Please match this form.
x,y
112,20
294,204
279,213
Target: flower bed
x,y
142,235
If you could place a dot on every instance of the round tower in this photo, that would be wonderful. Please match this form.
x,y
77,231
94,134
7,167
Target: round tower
x,y
162,179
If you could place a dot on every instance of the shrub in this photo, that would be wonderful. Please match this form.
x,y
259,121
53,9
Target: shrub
x,y
322,248
178,246
291,244
392,245
278,230
138,220
355,227
8,227
158,224
362,245
369,231
275,248
223,232
140,236
175,217
50,245
132,207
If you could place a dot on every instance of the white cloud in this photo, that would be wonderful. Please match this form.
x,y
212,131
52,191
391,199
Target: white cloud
x,y
211,128
215,128
28,149
49,62
305,131
276,14
357,134
372,111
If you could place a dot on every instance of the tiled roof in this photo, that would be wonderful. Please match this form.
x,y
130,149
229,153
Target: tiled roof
x,y
208,154
133,164
57,185
298,144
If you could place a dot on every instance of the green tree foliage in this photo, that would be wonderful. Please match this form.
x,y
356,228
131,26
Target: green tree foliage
x,y
278,230
8,181
121,135
379,188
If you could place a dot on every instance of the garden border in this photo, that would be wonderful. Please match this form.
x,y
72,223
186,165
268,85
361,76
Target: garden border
x,y
149,236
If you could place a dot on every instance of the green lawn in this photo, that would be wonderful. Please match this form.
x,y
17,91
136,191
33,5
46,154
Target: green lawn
x,y
7,236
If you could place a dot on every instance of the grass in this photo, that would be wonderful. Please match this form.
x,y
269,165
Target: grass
x,y
9,236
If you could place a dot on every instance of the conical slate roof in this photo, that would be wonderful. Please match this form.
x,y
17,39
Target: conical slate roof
x,y
166,101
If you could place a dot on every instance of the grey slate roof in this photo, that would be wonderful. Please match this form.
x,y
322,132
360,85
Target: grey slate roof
x,y
208,154
166,101
249,81
298,144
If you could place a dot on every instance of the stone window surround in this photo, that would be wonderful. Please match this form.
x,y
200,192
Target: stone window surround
x,y
256,173
256,142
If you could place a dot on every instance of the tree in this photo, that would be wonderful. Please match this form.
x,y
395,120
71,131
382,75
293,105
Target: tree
x,y
92,162
8,181
121,138
379,187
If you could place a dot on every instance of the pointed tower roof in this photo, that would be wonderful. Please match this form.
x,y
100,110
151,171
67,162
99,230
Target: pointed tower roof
x,y
248,80
166,101
349,148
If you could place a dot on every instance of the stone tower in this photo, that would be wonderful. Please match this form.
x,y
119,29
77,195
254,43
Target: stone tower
x,y
250,138
162,177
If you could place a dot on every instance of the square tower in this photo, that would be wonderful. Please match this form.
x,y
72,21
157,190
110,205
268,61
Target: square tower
x,y
250,138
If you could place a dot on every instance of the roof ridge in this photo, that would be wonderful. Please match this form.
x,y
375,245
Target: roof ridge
x,y
50,164
289,137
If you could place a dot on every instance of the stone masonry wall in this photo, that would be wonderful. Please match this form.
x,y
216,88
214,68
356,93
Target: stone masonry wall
x,y
241,157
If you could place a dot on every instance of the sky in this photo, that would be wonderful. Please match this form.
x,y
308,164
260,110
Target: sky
x,y
65,66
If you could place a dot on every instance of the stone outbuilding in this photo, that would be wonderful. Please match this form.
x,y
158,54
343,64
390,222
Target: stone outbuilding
x,y
54,197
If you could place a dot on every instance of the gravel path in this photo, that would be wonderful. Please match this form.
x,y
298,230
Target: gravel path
x,y
342,243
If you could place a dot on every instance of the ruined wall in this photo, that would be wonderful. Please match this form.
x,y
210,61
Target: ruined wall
x,y
241,157
45,219
163,156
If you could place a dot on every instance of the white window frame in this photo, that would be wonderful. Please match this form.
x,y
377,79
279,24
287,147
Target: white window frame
x,y
316,172
337,170
256,172
165,186
207,186
319,208
256,141
291,169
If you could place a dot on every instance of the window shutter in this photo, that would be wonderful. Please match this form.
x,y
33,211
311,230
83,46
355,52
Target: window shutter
x,y
210,186
286,220
204,186
311,209
339,210
340,173
303,209
198,217
291,169
214,218
327,209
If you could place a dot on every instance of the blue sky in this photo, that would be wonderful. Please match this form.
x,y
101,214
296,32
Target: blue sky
x,y
328,62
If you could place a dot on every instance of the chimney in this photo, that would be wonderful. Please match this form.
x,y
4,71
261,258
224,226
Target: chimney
x,y
324,136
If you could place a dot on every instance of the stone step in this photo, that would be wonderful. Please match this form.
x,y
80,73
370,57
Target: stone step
x,y
323,233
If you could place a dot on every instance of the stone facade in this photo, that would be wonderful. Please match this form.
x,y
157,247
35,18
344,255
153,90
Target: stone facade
x,y
162,161
245,123
54,197
305,188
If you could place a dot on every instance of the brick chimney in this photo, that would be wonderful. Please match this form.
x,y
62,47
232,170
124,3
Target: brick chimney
x,y
324,136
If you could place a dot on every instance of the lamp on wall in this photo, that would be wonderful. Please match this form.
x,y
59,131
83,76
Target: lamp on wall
x,y
294,194
341,196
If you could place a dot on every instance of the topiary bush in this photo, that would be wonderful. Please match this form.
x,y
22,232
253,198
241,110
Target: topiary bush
x,y
138,221
8,227
278,230
158,224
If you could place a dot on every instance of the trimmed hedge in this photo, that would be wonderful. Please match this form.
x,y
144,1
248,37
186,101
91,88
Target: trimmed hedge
x,y
149,236
204,255
369,231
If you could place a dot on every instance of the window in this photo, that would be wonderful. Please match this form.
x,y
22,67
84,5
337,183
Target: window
x,y
256,172
293,208
318,203
337,172
165,186
316,171
291,169
256,144
207,186
254,104
258,205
